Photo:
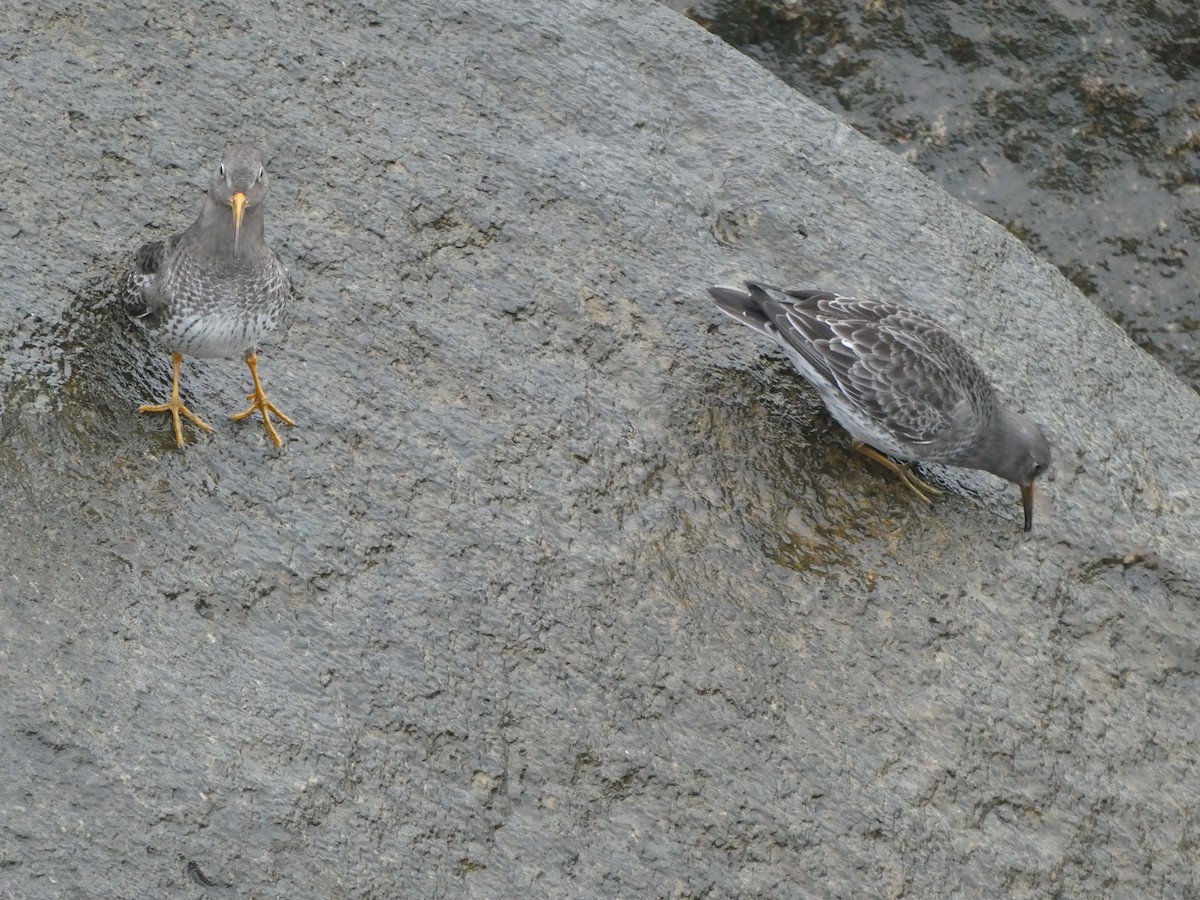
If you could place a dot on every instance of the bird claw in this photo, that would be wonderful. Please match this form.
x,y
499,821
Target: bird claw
x,y
175,406
923,490
260,403
176,409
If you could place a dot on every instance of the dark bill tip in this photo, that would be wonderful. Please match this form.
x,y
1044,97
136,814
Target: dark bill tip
x,y
1027,502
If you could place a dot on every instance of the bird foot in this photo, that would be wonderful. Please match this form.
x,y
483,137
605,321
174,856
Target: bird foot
x,y
923,490
175,407
260,403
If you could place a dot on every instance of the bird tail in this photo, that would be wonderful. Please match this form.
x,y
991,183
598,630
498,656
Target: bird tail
x,y
745,305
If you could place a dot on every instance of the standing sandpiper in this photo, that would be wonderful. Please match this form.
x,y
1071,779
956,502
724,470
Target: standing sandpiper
x,y
216,289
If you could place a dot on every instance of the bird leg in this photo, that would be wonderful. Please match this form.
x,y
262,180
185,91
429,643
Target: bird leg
x,y
258,401
925,491
174,406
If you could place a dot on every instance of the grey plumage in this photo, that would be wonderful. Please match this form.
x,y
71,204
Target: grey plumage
x,y
216,289
897,380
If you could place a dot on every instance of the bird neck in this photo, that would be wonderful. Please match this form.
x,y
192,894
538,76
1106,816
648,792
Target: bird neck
x,y
211,236
996,450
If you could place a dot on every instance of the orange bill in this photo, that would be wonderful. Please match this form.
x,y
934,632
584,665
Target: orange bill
x,y
238,202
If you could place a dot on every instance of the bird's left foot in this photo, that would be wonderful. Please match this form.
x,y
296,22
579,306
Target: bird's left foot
x,y
925,491
260,403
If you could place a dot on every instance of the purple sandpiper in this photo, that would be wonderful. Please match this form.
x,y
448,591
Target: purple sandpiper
x,y
216,289
898,381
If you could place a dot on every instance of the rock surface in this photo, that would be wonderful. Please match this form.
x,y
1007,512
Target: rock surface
x,y
564,584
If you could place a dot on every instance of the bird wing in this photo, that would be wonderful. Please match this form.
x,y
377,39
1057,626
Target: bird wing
x,y
898,367
136,289
149,257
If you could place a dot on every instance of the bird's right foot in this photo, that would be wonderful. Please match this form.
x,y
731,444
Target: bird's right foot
x,y
175,407
925,491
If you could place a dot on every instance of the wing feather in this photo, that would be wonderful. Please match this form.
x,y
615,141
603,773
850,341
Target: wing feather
x,y
136,290
898,367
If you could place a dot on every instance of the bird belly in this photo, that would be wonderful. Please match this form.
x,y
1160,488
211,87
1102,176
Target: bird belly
x,y
209,335
863,429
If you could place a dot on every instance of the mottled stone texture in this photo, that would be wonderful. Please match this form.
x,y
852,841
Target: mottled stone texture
x,y
563,585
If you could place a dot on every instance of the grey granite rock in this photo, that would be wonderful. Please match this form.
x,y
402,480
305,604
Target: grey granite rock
x,y
563,586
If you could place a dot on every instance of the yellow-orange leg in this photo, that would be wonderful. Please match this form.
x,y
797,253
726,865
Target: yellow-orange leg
x,y
258,401
925,491
174,406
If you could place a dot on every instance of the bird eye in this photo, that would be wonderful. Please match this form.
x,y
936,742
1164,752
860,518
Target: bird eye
x,y
261,173
222,170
